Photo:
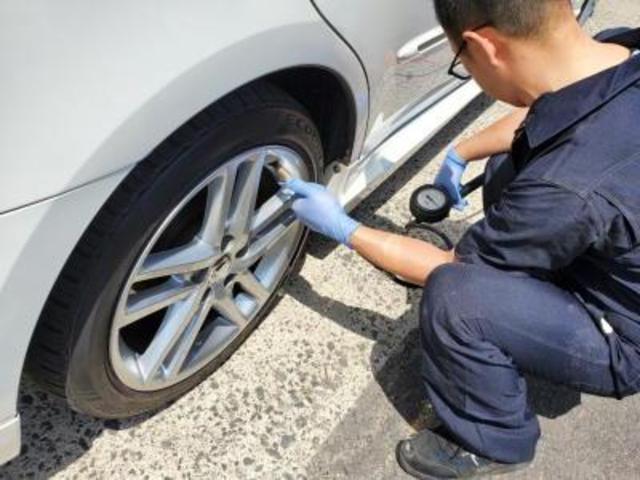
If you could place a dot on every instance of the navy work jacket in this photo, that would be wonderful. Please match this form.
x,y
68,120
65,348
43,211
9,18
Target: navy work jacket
x,y
572,212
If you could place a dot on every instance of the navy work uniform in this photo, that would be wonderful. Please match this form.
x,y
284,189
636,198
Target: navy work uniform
x,y
549,282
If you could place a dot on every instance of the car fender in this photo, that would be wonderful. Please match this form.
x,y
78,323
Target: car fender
x,y
94,87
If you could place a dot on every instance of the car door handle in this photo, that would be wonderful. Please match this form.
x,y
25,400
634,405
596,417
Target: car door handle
x,y
421,44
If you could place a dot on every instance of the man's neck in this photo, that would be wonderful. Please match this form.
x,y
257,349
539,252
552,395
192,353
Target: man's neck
x,y
564,59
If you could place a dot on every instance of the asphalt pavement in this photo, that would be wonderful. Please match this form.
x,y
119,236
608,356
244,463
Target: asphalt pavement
x,y
328,383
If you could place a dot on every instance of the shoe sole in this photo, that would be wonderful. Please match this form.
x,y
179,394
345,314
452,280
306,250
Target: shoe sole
x,y
423,476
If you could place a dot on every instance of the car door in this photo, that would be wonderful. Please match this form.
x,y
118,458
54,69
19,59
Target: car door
x,y
404,52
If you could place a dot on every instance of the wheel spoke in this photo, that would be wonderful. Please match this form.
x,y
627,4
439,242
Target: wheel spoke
x,y
175,322
187,340
151,300
187,259
253,287
265,244
244,196
226,306
219,194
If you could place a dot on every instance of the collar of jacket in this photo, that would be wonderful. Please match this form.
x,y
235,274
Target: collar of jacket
x,y
555,112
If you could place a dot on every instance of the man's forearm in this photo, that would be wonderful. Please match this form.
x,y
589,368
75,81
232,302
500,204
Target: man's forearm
x,y
412,260
496,138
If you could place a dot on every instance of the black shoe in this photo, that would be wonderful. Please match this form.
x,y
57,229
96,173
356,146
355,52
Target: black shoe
x,y
430,456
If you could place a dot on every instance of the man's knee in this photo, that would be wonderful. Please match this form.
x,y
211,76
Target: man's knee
x,y
443,281
442,296
455,298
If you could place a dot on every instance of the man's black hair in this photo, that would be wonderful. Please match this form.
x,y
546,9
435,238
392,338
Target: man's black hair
x,y
518,18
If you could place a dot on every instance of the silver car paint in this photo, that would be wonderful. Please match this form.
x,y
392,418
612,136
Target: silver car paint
x,y
35,244
89,88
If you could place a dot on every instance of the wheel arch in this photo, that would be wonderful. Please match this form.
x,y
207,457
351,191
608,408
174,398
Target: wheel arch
x,y
338,105
107,136
323,92
330,102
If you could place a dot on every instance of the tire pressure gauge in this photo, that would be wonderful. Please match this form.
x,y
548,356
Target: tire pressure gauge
x,y
430,204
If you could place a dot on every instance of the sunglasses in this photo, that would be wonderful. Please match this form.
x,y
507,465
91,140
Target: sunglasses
x,y
456,69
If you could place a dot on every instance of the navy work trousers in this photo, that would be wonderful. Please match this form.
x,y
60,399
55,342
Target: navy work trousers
x,y
481,329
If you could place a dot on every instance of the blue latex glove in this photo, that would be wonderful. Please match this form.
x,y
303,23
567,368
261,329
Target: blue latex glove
x,y
450,177
319,210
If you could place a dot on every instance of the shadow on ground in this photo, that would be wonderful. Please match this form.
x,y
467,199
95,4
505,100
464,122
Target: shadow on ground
x,y
399,377
399,380
388,410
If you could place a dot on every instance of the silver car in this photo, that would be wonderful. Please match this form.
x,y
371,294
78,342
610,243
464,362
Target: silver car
x,y
143,231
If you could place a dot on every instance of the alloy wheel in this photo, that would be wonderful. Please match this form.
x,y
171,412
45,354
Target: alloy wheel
x,y
207,272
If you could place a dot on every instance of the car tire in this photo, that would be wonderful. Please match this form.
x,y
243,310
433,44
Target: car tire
x,y
70,352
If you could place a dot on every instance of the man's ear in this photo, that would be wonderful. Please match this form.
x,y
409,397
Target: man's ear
x,y
484,45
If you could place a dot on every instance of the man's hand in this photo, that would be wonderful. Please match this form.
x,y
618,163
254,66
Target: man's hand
x,y
450,177
319,210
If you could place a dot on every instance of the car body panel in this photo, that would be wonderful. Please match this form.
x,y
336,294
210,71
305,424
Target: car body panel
x,y
92,87
33,255
9,439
